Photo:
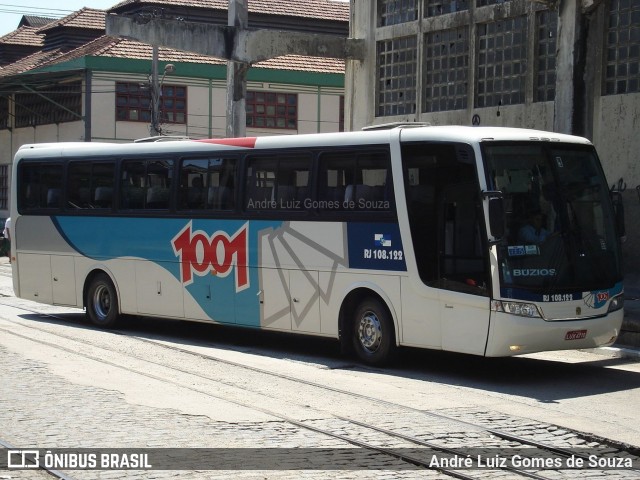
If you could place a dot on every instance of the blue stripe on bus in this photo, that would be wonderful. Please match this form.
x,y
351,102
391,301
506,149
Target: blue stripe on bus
x,y
178,245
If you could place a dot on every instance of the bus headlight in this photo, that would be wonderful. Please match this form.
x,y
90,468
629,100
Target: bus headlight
x,y
616,303
516,308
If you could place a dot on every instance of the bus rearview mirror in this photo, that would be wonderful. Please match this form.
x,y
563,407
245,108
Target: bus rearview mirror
x,y
496,217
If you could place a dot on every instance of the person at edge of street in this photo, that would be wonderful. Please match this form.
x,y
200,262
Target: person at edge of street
x,y
7,235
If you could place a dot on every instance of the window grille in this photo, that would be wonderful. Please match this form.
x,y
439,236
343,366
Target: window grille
x,y
622,74
272,110
434,8
133,103
54,104
446,70
397,72
547,28
392,12
502,62
4,113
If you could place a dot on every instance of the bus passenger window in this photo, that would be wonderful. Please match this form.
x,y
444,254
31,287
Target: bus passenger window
x,y
207,184
40,186
90,185
355,181
146,184
278,183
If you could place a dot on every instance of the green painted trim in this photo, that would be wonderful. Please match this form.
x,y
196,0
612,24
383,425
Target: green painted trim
x,y
196,70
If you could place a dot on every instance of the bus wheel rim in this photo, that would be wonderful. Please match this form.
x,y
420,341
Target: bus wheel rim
x,y
370,332
102,302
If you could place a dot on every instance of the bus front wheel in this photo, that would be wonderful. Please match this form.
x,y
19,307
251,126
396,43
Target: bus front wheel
x,y
102,302
373,333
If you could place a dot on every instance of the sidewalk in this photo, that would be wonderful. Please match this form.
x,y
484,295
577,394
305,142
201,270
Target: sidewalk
x,y
630,334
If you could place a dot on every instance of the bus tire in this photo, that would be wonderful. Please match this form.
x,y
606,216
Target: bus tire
x,y
373,333
102,302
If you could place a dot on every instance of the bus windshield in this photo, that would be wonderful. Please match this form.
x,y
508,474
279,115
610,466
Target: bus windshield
x,y
561,234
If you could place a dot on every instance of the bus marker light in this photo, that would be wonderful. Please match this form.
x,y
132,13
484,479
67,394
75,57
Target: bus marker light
x,y
515,348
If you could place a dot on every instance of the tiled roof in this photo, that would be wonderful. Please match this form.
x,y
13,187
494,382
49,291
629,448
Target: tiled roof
x,y
321,9
25,64
107,46
35,21
89,18
304,64
23,36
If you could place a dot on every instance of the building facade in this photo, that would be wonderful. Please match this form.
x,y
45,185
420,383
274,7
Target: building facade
x,y
570,67
82,85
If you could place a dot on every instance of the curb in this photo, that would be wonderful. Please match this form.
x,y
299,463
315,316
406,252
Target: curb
x,y
616,352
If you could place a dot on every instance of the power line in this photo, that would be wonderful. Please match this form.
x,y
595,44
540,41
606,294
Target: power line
x,y
63,11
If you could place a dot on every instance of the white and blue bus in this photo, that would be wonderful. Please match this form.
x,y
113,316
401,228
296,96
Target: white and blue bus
x,y
383,238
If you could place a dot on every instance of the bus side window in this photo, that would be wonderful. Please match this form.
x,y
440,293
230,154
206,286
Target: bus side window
x,y
90,185
277,182
207,184
355,181
40,186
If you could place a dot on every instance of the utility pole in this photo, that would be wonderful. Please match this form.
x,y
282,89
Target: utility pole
x,y
238,18
235,43
154,128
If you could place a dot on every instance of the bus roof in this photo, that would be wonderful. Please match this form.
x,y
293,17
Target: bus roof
x,y
462,134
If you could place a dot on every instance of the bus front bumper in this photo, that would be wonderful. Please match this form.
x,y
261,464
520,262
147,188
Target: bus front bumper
x,y
514,335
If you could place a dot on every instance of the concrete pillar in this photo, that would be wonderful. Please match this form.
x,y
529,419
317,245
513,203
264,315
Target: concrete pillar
x,y
237,73
570,62
360,76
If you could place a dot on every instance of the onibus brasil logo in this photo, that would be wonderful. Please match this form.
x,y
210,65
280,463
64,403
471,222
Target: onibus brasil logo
x,y
201,254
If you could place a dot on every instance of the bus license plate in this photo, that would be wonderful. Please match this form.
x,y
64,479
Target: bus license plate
x,y
576,335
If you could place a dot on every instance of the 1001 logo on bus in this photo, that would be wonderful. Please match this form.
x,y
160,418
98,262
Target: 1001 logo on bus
x,y
217,254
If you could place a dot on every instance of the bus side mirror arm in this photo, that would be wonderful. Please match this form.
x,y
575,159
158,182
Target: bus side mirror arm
x,y
496,215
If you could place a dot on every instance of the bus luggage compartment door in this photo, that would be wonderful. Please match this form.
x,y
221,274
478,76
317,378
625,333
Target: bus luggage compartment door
x,y
63,278
35,277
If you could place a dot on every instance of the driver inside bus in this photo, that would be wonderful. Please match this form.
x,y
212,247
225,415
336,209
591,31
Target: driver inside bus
x,y
534,231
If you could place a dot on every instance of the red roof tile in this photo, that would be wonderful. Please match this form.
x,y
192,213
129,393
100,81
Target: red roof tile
x,y
89,18
29,63
322,9
107,46
24,36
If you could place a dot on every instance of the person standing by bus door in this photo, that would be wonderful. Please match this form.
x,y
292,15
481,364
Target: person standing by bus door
x,y
7,236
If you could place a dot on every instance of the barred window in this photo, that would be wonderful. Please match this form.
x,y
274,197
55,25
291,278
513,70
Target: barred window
x,y
397,72
434,8
4,187
446,70
623,47
272,110
392,12
4,113
54,104
502,62
133,103
483,3
547,28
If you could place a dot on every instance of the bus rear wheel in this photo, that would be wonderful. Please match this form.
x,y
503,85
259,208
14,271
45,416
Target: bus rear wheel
x,y
373,332
102,302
